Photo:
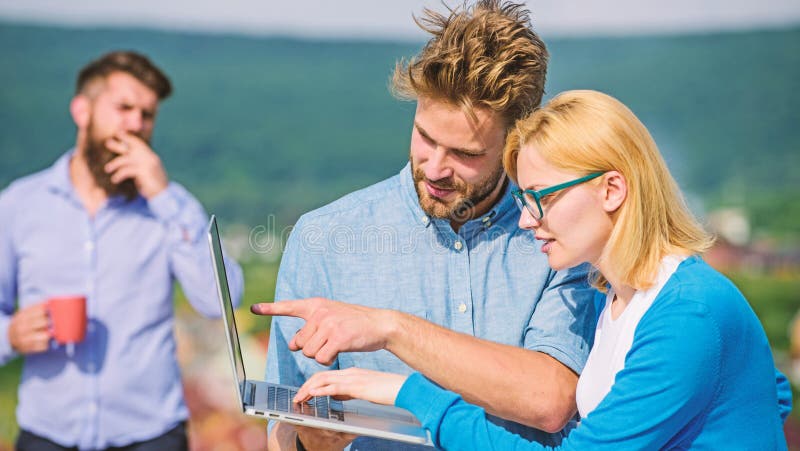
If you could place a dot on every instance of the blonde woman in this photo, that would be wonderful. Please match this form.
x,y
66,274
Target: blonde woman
x,y
679,360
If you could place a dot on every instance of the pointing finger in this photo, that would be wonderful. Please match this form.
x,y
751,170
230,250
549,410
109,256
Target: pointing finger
x,y
298,309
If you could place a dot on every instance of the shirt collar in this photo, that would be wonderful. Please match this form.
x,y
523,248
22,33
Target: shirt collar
x,y
411,198
58,177
503,207
60,182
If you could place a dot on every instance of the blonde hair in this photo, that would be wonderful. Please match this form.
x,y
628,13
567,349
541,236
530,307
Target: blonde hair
x,y
486,56
588,131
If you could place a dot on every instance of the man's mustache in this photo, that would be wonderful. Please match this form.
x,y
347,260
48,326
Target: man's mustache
x,y
442,183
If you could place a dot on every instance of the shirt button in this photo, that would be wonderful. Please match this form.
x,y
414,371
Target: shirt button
x,y
426,220
462,307
458,245
89,246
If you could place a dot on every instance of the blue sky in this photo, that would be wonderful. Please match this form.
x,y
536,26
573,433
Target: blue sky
x,y
387,19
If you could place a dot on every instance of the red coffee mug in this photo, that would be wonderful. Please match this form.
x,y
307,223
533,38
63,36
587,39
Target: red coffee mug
x,y
67,318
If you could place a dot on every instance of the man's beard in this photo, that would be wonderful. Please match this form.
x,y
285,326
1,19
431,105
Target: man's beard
x,y
462,208
97,156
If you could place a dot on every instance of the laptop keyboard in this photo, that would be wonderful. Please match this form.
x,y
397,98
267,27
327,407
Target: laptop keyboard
x,y
280,398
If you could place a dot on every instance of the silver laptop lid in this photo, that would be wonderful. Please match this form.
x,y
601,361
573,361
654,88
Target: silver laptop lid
x,y
226,304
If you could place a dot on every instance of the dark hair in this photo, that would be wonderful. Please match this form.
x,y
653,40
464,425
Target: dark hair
x,y
135,64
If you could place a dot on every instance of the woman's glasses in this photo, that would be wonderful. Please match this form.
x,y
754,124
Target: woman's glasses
x,y
532,199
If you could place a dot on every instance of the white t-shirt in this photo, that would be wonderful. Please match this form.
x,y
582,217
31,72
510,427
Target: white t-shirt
x,y
613,339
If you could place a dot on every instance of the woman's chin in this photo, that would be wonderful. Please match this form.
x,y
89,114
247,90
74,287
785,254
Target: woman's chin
x,y
558,262
554,262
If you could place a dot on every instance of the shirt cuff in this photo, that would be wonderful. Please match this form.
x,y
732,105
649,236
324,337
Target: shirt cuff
x,y
7,353
427,401
568,360
167,204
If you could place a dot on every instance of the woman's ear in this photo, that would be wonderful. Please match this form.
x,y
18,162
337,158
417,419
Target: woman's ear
x,y
614,190
81,111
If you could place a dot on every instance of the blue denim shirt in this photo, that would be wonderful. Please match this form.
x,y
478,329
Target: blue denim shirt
x,y
122,384
377,247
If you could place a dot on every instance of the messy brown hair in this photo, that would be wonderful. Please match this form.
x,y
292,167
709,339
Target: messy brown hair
x,y
132,63
484,56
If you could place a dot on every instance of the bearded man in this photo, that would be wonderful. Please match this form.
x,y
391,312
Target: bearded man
x,y
430,264
104,222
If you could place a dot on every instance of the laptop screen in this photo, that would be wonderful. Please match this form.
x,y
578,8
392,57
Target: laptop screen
x,y
226,304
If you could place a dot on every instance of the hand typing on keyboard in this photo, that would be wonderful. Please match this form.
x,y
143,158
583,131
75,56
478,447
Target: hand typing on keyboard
x,y
280,399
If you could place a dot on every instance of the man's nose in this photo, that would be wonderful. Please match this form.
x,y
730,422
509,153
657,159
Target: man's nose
x,y
438,167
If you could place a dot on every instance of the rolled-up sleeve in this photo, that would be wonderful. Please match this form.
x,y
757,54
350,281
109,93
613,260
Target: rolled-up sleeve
x,y
564,321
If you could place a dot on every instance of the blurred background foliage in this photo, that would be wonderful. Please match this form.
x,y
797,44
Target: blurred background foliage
x,y
261,126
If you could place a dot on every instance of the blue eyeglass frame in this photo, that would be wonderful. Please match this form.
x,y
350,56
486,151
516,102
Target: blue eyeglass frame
x,y
538,213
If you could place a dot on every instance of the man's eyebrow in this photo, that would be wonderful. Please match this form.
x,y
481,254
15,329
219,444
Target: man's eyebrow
x,y
421,130
475,152
125,103
459,150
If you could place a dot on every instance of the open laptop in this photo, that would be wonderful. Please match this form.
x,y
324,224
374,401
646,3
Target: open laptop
x,y
274,402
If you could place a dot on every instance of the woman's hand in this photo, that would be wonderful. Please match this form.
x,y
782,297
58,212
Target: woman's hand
x,y
375,386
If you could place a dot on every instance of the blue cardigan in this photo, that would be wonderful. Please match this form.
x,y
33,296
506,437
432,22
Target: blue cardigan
x,y
699,374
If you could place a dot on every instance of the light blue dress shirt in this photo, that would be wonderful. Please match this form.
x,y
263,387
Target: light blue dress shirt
x,y
122,384
377,247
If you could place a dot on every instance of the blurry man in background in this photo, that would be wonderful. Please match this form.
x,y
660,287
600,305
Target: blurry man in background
x,y
462,294
104,222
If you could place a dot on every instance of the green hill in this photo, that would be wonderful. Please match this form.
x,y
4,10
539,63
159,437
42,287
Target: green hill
x,y
261,126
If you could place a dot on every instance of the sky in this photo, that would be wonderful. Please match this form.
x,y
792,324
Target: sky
x,y
391,19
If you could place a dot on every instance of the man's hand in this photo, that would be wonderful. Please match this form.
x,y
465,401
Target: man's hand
x,y
374,386
29,329
283,436
332,327
136,161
